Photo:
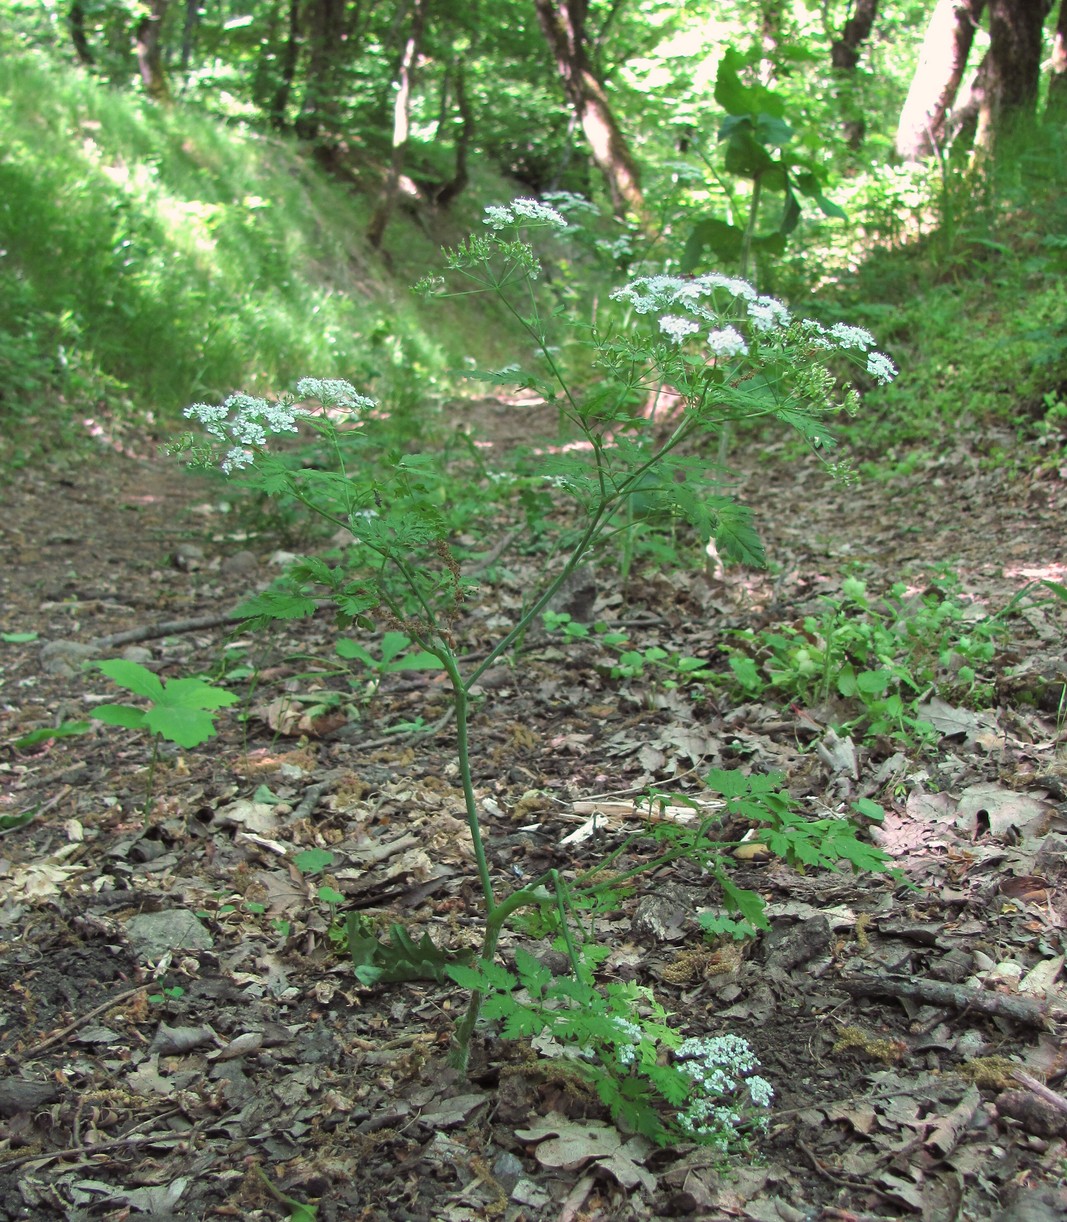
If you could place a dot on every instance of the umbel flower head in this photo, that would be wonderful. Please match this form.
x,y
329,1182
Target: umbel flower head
x,y
245,421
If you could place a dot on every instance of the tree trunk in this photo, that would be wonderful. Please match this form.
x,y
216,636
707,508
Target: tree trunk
x,y
937,79
1010,100
76,17
189,29
326,38
449,190
845,51
280,101
563,23
845,55
405,77
1056,109
148,43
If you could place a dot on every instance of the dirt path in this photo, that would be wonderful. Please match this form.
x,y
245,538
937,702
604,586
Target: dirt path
x,y
180,1039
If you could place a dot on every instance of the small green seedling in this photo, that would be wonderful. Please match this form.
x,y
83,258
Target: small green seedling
x,y
47,733
394,657
182,710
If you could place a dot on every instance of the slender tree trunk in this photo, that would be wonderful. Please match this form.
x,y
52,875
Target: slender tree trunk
x,y
937,79
845,51
449,190
326,37
189,29
148,43
563,23
1010,101
1057,85
770,17
76,18
405,77
845,56
280,101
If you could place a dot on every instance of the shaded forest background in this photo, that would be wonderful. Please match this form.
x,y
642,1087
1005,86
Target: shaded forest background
x,y
199,197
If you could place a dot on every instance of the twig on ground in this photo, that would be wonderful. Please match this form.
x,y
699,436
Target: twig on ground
x,y
168,628
1040,1089
935,993
27,1054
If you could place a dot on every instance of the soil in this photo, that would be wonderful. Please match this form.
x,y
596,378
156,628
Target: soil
x,y
180,1037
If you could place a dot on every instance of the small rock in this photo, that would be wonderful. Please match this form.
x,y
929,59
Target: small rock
x,y
64,659
789,948
19,1095
152,934
188,557
139,654
240,564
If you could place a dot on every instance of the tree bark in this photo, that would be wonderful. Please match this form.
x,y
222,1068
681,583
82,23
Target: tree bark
x,y
448,191
405,77
845,56
1014,71
845,51
148,44
1056,108
937,79
280,101
326,38
76,18
563,23
189,29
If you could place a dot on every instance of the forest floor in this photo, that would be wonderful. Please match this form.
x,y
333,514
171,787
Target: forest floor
x,y
180,1038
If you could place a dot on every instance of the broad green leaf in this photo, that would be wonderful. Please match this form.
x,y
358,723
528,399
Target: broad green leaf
x,y
195,694
747,903
120,715
276,604
869,809
133,677
188,727
313,861
873,682
736,537
737,98
9,823
66,730
18,638
353,649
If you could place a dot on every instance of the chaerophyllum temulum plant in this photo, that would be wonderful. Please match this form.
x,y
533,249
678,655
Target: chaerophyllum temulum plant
x,y
726,354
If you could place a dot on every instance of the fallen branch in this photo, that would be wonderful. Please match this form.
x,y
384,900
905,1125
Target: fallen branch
x,y
57,1037
935,993
167,628
1040,1089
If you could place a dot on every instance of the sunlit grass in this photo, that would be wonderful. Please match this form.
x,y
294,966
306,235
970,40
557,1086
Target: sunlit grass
x,y
184,259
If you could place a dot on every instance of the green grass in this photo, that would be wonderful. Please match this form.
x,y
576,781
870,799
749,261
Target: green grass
x,y
153,257
150,257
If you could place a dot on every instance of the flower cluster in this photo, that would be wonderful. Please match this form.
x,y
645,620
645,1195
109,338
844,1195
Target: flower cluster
x,y
842,337
333,392
244,421
720,1067
523,212
728,305
631,1036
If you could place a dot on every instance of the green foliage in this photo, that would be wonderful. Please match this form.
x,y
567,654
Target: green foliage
x,y
754,127
619,1040
402,570
397,959
880,657
47,733
181,711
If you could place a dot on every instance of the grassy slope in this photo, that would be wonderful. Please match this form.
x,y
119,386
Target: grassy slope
x,y
156,257
152,257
